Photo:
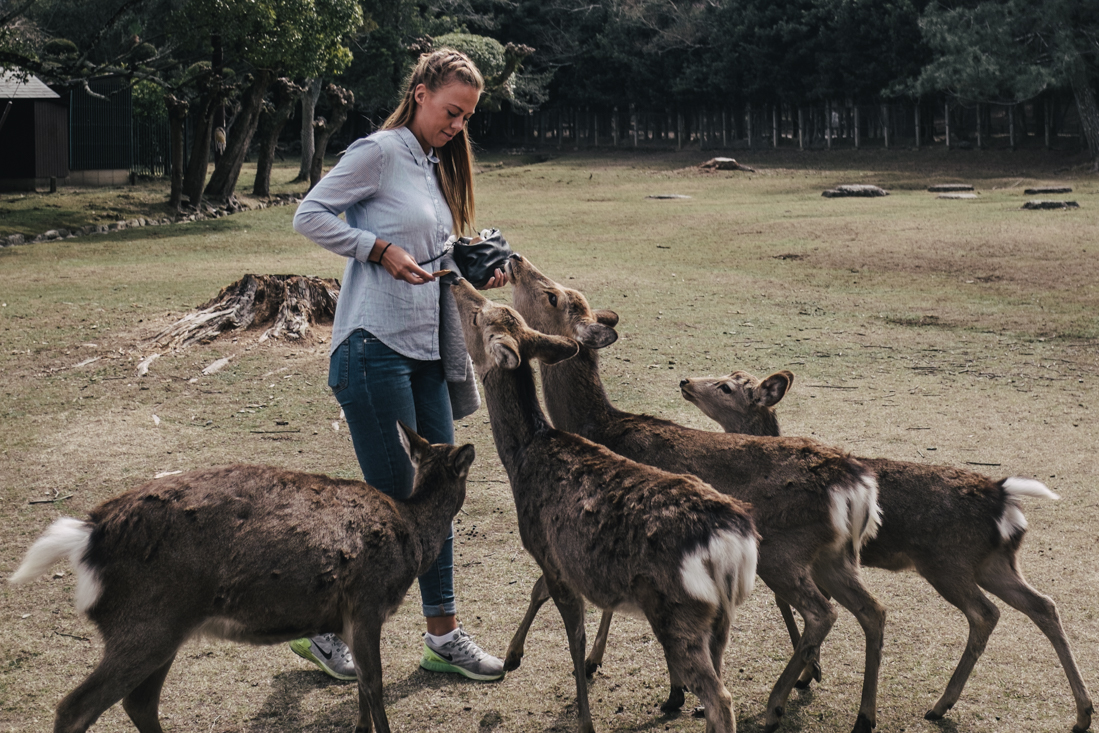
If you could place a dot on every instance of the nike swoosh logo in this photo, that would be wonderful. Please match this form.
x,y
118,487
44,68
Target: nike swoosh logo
x,y
326,655
447,657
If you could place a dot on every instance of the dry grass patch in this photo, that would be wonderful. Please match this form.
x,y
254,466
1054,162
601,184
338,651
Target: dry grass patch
x,y
869,302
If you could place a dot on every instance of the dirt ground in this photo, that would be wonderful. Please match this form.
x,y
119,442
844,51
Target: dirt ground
x,y
949,332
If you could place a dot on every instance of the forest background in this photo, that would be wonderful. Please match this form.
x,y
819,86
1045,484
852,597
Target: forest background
x,y
233,72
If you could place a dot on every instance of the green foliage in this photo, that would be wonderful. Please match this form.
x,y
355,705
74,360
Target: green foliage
x,y
486,53
148,101
60,47
990,52
296,37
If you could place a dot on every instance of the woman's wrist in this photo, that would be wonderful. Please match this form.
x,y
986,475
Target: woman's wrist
x,y
384,245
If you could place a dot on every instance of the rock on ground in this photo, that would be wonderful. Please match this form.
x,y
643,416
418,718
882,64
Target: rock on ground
x,y
854,189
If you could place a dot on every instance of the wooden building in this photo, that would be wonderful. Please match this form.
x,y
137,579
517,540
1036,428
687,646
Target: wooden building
x,y
34,139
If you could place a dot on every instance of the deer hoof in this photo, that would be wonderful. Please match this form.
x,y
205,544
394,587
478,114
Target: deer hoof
x,y
675,700
803,684
512,662
590,668
1083,721
862,724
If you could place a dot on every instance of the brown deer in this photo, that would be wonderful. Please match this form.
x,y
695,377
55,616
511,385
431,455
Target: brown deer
x,y
247,553
607,529
958,529
813,505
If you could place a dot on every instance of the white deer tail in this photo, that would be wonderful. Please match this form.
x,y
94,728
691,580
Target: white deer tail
x,y
67,537
1012,524
722,572
856,515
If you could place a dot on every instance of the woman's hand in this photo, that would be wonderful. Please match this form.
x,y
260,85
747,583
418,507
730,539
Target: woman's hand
x,y
401,265
498,280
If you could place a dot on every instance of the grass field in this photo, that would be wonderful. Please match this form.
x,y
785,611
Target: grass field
x,y
951,332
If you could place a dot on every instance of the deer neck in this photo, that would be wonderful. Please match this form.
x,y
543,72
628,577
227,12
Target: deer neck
x,y
763,424
575,398
429,512
514,411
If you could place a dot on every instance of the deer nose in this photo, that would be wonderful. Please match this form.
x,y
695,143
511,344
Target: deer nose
x,y
515,256
683,383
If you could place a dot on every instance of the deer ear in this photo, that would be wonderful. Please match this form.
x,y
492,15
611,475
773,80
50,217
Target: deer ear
x,y
552,349
774,388
462,459
607,318
598,335
505,351
413,444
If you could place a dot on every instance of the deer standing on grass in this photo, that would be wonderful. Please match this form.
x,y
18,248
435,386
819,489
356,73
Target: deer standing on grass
x,y
958,529
246,553
814,506
618,533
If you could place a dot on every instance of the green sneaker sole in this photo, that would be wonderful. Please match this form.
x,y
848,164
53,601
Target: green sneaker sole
x,y
434,663
304,649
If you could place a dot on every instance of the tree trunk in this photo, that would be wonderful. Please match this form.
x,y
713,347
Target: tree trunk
x,y
341,101
287,304
1089,113
271,123
223,181
309,97
177,117
194,179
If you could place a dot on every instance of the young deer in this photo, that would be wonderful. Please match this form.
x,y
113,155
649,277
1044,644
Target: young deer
x,y
958,529
813,506
618,533
247,553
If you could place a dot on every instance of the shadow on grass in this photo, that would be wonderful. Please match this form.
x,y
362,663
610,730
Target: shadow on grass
x,y
283,709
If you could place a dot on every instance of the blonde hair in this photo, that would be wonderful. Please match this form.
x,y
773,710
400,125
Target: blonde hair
x,y
435,70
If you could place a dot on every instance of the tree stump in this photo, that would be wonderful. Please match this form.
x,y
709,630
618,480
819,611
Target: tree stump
x,y
288,305
724,164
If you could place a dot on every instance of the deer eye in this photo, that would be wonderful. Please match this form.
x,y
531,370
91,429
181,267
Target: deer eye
x,y
726,388
552,299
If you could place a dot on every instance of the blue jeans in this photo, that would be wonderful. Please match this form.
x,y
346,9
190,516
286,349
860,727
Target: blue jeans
x,y
376,386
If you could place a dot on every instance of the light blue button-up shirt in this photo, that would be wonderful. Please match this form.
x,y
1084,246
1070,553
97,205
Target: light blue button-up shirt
x,y
386,186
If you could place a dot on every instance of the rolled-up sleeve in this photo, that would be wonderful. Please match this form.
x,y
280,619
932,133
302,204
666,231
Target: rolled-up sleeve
x,y
355,178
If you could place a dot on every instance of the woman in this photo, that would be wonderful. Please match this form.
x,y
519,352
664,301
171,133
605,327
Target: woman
x,y
404,191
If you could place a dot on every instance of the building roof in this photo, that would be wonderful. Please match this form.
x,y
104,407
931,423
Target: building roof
x,y
33,88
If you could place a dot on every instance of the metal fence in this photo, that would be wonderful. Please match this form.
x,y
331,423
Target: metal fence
x,y
105,135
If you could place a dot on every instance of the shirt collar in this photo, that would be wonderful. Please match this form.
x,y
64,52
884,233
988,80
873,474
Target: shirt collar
x,y
415,147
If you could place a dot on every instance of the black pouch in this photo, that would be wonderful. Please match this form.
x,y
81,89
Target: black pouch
x,y
478,262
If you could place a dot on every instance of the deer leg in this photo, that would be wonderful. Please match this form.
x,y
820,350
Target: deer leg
x,y
790,579
1001,577
143,702
131,660
957,586
538,597
691,646
570,605
366,651
840,579
595,656
812,670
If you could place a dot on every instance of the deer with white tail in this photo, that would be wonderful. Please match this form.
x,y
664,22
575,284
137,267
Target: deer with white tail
x,y
814,506
958,529
247,553
603,528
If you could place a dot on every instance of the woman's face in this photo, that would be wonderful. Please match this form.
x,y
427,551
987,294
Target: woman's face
x,y
440,115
